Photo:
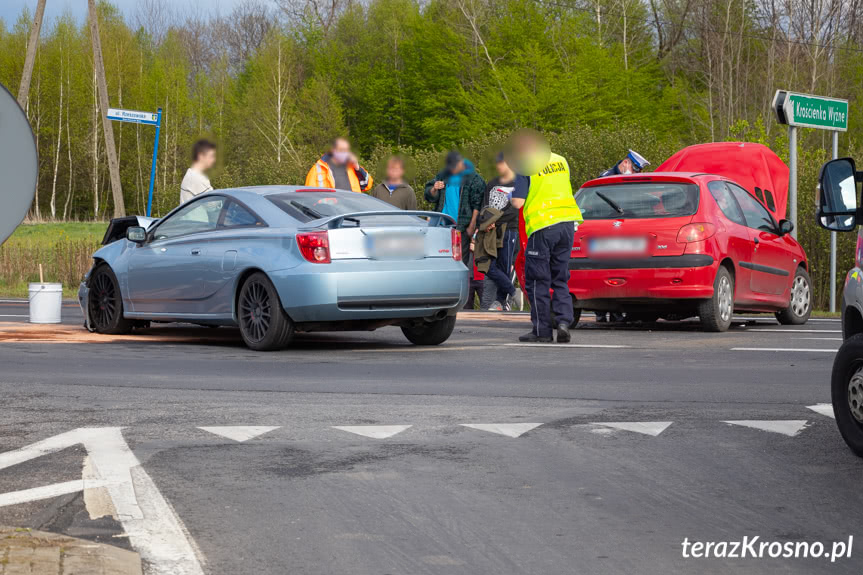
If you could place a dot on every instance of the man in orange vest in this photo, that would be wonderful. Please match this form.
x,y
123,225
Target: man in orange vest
x,y
339,169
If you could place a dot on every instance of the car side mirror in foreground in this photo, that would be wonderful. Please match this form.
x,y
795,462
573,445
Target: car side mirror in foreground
x,y
786,227
837,195
136,234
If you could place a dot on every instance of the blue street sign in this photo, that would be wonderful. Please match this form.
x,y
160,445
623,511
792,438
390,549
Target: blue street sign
x,y
150,119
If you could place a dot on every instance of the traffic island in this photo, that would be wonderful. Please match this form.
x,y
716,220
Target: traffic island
x,y
27,552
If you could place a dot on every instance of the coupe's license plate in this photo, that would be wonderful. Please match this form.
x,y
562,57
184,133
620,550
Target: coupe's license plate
x,y
616,246
396,246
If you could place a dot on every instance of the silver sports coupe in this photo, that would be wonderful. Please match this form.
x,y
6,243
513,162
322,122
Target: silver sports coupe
x,y
278,260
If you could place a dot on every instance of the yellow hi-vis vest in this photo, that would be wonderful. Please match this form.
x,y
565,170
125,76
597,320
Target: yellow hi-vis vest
x,y
550,199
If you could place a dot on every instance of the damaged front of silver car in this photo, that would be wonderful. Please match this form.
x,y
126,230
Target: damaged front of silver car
x,y
116,232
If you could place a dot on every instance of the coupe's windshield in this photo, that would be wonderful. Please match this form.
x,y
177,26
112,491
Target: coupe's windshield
x,y
638,200
309,206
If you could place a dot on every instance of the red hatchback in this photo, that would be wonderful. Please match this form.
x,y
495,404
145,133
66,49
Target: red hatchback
x,y
704,235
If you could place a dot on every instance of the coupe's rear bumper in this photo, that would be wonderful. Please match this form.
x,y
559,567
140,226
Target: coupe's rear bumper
x,y
688,276
366,290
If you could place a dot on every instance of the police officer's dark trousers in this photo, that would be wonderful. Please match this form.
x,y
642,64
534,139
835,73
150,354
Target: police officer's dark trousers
x,y
546,268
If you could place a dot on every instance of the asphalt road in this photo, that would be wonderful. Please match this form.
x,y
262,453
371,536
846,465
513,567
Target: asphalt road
x,y
602,456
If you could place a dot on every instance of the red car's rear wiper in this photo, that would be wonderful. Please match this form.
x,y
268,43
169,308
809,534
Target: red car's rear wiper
x,y
610,202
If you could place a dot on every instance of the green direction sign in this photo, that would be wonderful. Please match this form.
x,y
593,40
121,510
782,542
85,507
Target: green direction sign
x,y
808,111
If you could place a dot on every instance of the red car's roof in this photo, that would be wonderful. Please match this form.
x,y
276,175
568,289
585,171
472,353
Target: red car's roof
x,y
750,165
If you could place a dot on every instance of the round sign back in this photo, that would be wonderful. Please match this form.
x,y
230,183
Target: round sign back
x,y
19,164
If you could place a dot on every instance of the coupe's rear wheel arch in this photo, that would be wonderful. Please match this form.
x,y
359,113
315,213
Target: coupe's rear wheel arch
x,y
800,304
846,388
105,302
263,322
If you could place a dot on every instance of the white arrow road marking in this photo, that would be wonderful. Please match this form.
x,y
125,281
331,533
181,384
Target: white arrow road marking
x,y
789,427
240,433
153,527
652,428
373,431
823,409
508,429
47,492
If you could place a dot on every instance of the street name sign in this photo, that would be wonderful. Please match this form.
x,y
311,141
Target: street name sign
x,y
808,111
133,116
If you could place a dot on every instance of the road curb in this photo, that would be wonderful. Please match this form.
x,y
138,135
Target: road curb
x,y
28,552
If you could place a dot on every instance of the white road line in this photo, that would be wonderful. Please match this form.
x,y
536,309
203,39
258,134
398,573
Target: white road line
x,y
13,315
564,345
789,427
817,338
508,429
240,433
373,431
47,491
652,428
153,527
823,409
769,318
771,330
795,349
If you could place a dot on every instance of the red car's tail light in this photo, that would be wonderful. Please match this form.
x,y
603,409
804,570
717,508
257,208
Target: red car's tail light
x,y
456,245
315,246
695,232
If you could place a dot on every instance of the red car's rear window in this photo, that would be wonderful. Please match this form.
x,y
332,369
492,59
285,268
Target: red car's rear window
x,y
638,200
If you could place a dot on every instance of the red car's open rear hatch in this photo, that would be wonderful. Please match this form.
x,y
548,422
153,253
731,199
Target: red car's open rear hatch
x,y
753,166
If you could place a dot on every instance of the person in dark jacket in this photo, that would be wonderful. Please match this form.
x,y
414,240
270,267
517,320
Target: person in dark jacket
x,y
498,194
633,163
457,191
394,190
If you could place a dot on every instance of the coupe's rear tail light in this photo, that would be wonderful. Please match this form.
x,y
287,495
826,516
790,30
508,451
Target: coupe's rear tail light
x,y
456,245
315,246
695,232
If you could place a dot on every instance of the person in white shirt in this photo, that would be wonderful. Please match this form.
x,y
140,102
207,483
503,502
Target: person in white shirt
x,y
195,182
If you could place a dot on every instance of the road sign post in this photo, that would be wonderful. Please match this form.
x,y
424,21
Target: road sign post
x,y
808,111
150,119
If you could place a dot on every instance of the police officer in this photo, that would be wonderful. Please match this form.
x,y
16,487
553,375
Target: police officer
x,y
550,217
633,163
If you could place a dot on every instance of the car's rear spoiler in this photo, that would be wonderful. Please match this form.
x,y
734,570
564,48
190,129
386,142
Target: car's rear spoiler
x,y
435,219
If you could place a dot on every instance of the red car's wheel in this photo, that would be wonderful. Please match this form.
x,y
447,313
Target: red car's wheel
x,y
800,304
715,314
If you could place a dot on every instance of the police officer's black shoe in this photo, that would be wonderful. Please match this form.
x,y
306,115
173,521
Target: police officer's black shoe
x,y
563,333
533,338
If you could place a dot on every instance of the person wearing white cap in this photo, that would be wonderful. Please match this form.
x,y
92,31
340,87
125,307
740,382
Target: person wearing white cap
x,y
633,163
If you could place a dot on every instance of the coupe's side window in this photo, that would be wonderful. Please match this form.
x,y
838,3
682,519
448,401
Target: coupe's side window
x,y
756,215
726,202
199,216
236,216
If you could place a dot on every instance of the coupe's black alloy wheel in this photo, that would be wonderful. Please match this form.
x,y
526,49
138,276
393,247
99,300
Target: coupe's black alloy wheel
x,y
256,311
105,304
263,323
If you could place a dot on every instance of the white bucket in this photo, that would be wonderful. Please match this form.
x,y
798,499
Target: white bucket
x,y
46,300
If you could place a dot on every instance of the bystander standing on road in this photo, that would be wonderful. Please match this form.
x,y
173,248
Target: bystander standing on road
x,y
457,191
339,169
196,182
394,190
498,195
544,189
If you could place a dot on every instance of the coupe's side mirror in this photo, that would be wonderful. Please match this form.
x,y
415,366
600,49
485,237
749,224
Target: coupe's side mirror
x,y
136,234
837,195
786,227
